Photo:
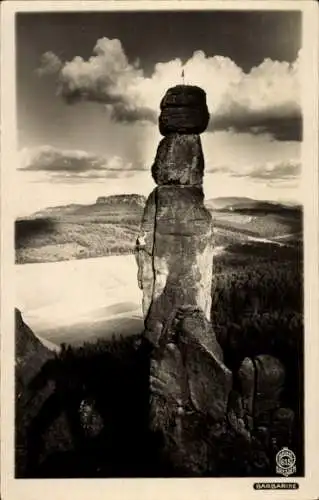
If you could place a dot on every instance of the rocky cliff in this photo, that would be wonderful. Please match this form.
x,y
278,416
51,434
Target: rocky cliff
x,y
125,199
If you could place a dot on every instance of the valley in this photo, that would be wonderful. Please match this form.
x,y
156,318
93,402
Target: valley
x,y
76,275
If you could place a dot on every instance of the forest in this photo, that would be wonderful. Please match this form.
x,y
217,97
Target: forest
x,y
257,308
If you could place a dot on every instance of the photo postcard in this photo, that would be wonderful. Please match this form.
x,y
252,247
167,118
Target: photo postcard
x,y
159,250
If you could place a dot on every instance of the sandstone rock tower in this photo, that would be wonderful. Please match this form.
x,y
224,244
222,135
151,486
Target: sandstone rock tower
x,y
175,258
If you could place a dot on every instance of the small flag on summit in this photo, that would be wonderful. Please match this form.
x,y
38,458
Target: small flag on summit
x,y
183,75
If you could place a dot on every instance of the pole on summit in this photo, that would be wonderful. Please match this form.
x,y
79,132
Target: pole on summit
x,y
183,77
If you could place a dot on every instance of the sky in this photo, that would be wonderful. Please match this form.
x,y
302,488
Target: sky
x,y
89,87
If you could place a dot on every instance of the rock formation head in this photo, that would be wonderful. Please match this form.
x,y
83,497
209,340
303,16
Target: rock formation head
x,y
183,111
184,95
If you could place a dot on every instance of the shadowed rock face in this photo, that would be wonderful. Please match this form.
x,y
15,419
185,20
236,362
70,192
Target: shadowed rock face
x,y
183,110
30,356
262,383
189,383
257,411
182,120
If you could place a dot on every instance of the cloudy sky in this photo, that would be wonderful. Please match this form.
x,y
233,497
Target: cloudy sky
x,y
89,87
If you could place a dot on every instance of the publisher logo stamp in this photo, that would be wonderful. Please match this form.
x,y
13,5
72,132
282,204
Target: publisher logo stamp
x,y
285,460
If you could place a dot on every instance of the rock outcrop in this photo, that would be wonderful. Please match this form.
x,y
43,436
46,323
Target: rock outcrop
x,y
256,411
189,385
262,383
30,357
122,199
46,384
189,382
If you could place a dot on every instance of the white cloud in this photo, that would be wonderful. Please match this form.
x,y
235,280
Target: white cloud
x,y
224,153
265,99
72,164
274,171
50,64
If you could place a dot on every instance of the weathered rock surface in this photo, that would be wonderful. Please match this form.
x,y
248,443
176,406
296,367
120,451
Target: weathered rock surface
x,y
183,120
189,385
189,382
262,383
175,260
179,160
27,345
184,95
270,384
49,415
246,376
144,252
30,356
236,416
184,110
